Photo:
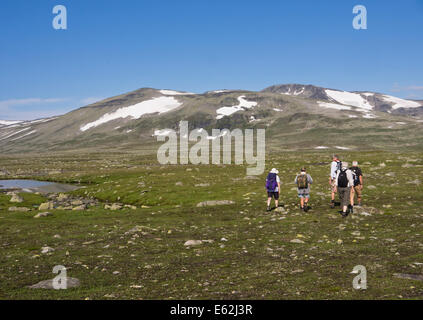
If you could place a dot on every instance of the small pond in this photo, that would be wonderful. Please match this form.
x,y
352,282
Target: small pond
x,y
36,186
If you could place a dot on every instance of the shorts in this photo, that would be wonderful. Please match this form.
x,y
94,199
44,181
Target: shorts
x,y
357,190
304,195
273,195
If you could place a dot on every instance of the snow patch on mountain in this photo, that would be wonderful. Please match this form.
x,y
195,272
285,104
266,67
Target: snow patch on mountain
x,y
243,104
295,93
401,103
349,99
8,122
160,105
26,134
9,134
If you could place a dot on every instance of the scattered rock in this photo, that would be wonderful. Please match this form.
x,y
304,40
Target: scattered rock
x,y
48,284
140,229
46,206
214,203
16,198
130,207
113,207
62,197
297,241
79,208
280,209
45,250
19,209
193,243
42,214
179,183
202,185
76,203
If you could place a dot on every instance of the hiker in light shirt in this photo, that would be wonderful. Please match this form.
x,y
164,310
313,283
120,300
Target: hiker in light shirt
x,y
335,166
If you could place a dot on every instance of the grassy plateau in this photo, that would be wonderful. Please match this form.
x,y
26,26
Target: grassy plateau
x,y
138,251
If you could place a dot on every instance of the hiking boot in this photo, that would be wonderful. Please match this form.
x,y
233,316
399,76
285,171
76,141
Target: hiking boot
x,y
268,209
306,208
332,204
351,209
344,214
359,204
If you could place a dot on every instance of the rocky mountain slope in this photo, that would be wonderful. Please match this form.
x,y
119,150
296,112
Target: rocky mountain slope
x,y
295,116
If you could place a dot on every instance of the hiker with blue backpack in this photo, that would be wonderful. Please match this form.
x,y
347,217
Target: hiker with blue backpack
x,y
273,187
303,182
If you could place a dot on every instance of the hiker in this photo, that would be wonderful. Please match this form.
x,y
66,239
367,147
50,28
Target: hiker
x,y
273,187
358,183
344,181
303,182
334,168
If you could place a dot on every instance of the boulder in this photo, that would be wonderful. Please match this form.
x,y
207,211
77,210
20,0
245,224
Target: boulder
x,y
62,197
46,206
79,208
16,198
296,241
48,284
42,214
76,202
113,207
193,243
45,250
280,210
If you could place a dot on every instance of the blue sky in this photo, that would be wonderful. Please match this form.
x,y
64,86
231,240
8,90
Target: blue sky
x,y
112,47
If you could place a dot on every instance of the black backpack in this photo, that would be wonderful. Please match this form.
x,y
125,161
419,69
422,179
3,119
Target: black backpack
x,y
342,179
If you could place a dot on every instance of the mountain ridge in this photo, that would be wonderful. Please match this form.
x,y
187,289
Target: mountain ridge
x,y
135,118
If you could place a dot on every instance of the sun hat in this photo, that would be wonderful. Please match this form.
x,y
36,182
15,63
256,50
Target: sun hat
x,y
355,163
344,164
274,170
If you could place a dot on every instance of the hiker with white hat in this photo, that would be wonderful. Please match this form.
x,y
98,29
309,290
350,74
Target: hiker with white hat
x,y
273,187
343,183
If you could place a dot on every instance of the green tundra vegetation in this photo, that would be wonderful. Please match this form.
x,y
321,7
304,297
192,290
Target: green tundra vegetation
x,y
124,232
